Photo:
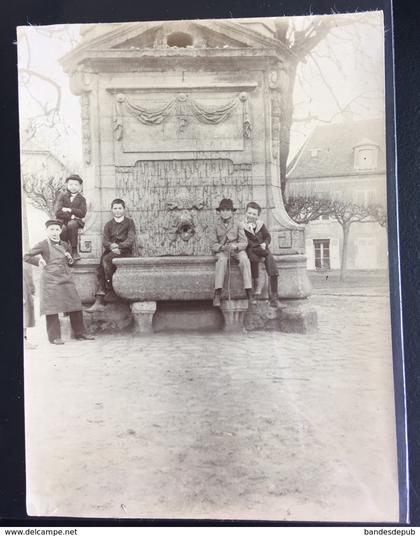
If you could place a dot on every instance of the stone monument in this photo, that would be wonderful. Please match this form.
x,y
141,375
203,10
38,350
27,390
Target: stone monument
x,y
175,117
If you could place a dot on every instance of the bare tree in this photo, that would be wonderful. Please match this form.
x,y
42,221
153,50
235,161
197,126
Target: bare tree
x,y
346,213
44,121
378,213
304,209
43,193
303,38
48,109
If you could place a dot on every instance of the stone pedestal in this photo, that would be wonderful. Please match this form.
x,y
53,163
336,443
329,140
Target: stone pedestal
x,y
298,317
262,317
143,316
234,314
293,277
185,316
263,282
114,318
84,275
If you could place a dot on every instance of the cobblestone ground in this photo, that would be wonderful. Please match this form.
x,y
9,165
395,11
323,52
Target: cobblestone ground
x,y
252,426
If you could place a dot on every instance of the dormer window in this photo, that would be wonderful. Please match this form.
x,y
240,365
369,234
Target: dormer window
x,y
366,156
179,39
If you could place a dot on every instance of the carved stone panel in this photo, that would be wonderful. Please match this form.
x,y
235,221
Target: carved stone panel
x,y
181,122
173,202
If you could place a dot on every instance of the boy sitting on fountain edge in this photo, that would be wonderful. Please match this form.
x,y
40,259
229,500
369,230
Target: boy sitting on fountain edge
x,y
118,240
229,242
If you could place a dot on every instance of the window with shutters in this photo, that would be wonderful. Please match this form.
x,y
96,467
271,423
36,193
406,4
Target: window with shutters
x,y
322,254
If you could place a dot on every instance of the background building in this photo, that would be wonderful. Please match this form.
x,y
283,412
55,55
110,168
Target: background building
x,y
343,161
41,164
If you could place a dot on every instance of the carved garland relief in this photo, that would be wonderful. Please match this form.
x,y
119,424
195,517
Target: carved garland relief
x,y
183,107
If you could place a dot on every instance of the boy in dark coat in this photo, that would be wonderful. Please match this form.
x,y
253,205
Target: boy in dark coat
x,y
70,209
58,293
229,241
118,240
259,239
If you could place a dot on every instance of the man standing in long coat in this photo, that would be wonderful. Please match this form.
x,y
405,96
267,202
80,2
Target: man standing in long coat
x,y
58,293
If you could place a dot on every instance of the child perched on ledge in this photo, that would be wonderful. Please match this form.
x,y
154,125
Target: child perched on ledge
x,y
259,239
118,240
70,209
229,241
58,293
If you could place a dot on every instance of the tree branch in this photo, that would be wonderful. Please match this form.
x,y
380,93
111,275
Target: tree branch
x,y
47,79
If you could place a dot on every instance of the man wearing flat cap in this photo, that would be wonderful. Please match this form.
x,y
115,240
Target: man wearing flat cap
x,y
70,209
229,242
58,293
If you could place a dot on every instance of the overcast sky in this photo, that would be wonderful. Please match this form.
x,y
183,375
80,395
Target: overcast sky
x,y
347,68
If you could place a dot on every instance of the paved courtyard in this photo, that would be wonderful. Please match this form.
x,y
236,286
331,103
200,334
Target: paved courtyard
x,y
262,425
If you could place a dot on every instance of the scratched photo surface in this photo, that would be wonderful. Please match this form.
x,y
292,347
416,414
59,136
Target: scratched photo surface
x,y
201,358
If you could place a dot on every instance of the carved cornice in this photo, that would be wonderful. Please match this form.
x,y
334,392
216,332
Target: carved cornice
x,y
110,60
81,80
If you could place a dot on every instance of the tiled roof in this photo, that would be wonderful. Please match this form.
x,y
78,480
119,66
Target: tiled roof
x,y
334,144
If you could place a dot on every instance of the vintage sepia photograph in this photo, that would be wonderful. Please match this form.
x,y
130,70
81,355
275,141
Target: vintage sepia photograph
x,y
206,297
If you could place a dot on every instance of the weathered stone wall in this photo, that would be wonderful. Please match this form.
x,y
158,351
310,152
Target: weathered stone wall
x,y
160,193
173,130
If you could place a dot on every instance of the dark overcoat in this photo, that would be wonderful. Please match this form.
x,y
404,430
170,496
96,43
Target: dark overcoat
x,y
58,293
78,207
256,237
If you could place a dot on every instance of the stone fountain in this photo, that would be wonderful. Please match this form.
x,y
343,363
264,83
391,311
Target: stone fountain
x,y
175,117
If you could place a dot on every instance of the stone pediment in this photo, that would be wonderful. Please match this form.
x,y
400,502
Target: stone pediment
x,y
214,34
181,35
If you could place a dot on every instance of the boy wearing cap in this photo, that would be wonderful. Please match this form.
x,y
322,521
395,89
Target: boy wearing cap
x,y
70,209
58,293
259,239
229,241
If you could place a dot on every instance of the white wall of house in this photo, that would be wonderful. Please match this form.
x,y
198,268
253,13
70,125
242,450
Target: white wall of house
x,y
367,249
344,162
